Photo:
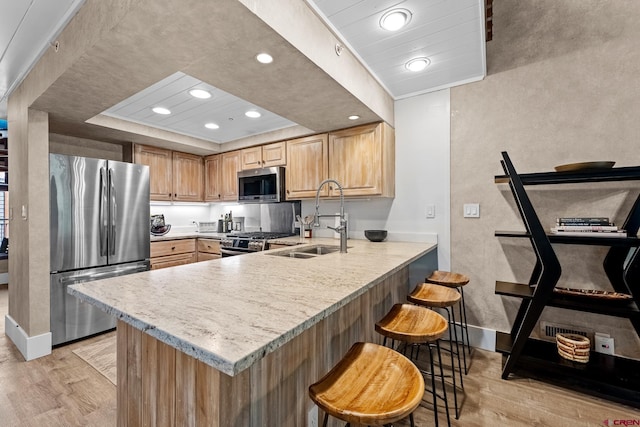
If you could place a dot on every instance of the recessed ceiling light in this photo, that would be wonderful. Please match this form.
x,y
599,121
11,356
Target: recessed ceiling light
x,y
264,58
354,117
253,114
211,126
161,110
418,64
200,93
395,19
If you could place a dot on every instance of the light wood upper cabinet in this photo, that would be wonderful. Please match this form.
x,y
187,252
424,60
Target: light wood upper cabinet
x,y
231,165
362,160
264,156
274,154
160,170
172,175
307,166
212,178
187,177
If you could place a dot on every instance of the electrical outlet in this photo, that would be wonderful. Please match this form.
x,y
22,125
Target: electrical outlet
x,y
604,344
471,210
431,211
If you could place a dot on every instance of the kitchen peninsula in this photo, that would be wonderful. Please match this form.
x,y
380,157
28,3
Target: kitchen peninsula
x,y
237,341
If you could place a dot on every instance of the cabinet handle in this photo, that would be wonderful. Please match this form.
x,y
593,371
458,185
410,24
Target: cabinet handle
x,y
173,248
287,191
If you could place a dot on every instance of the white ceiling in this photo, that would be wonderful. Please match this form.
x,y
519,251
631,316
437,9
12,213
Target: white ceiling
x,y
189,115
449,32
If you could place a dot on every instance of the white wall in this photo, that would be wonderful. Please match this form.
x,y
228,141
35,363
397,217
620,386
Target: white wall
x,y
422,178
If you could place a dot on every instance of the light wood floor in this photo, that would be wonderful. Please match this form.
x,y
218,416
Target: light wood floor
x,y
63,390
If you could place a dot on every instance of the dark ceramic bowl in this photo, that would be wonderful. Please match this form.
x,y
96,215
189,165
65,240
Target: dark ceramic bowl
x,y
375,235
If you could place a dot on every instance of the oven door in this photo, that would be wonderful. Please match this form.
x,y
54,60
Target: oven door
x,y
227,252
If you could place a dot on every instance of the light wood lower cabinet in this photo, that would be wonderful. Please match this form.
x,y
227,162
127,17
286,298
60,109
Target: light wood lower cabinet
x,y
169,253
208,249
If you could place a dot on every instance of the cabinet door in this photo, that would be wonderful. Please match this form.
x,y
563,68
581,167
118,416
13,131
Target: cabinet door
x,y
274,154
212,178
172,260
358,160
230,168
307,166
187,177
252,158
160,170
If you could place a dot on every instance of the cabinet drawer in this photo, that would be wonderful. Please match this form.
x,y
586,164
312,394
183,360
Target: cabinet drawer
x,y
203,256
210,246
172,247
172,260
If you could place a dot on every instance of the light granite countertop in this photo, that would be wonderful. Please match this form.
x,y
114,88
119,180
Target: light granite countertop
x,y
230,312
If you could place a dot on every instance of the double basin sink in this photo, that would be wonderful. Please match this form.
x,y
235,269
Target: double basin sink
x,y
306,252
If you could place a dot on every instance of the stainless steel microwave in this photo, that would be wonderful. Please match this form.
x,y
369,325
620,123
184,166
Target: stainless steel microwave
x,y
261,185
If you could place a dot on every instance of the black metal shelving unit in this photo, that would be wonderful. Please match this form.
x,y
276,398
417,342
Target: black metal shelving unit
x,y
611,377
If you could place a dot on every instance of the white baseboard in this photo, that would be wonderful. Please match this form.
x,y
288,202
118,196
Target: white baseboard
x,y
30,347
482,338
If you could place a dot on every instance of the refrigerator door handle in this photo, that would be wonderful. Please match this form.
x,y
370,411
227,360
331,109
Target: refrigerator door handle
x,y
88,277
114,210
104,224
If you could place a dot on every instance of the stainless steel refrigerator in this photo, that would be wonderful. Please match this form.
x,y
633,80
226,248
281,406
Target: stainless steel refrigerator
x,y
99,219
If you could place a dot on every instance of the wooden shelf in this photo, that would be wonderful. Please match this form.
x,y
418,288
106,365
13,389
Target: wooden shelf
x,y
606,376
577,240
625,309
614,174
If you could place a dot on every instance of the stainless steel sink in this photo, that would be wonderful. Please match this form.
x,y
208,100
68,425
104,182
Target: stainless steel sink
x,y
318,249
306,252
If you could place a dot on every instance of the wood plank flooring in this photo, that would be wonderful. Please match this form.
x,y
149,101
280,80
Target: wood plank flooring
x,y
63,390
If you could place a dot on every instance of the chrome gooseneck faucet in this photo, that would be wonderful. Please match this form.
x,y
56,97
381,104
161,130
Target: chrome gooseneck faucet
x,y
342,229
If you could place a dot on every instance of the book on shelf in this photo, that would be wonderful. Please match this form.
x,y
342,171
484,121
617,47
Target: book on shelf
x,y
588,233
584,221
584,228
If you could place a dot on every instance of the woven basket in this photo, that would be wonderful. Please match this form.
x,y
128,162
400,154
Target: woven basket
x,y
573,347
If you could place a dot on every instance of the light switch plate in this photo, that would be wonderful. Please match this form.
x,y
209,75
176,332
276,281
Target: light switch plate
x,y
431,211
471,210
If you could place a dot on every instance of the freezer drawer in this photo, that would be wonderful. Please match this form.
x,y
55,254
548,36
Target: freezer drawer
x,y
71,318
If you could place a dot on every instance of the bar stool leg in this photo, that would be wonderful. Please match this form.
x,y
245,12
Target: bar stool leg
x,y
455,332
465,328
444,388
433,385
453,366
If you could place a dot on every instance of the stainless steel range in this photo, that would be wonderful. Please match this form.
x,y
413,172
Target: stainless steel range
x,y
243,243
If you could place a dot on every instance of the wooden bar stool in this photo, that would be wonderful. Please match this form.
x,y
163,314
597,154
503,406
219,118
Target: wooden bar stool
x,y
436,296
415,326
457,281
371,385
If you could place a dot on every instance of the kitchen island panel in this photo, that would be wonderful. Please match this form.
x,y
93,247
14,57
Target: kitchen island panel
x,y
273,391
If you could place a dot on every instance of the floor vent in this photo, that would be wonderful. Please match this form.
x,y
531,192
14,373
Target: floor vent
x,y
549,330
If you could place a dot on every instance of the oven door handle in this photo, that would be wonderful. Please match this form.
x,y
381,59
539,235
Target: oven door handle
x,y
231,252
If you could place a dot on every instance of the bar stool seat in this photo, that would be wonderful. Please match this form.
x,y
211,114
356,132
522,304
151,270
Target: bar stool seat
x,y
415,326
448,278
371,385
